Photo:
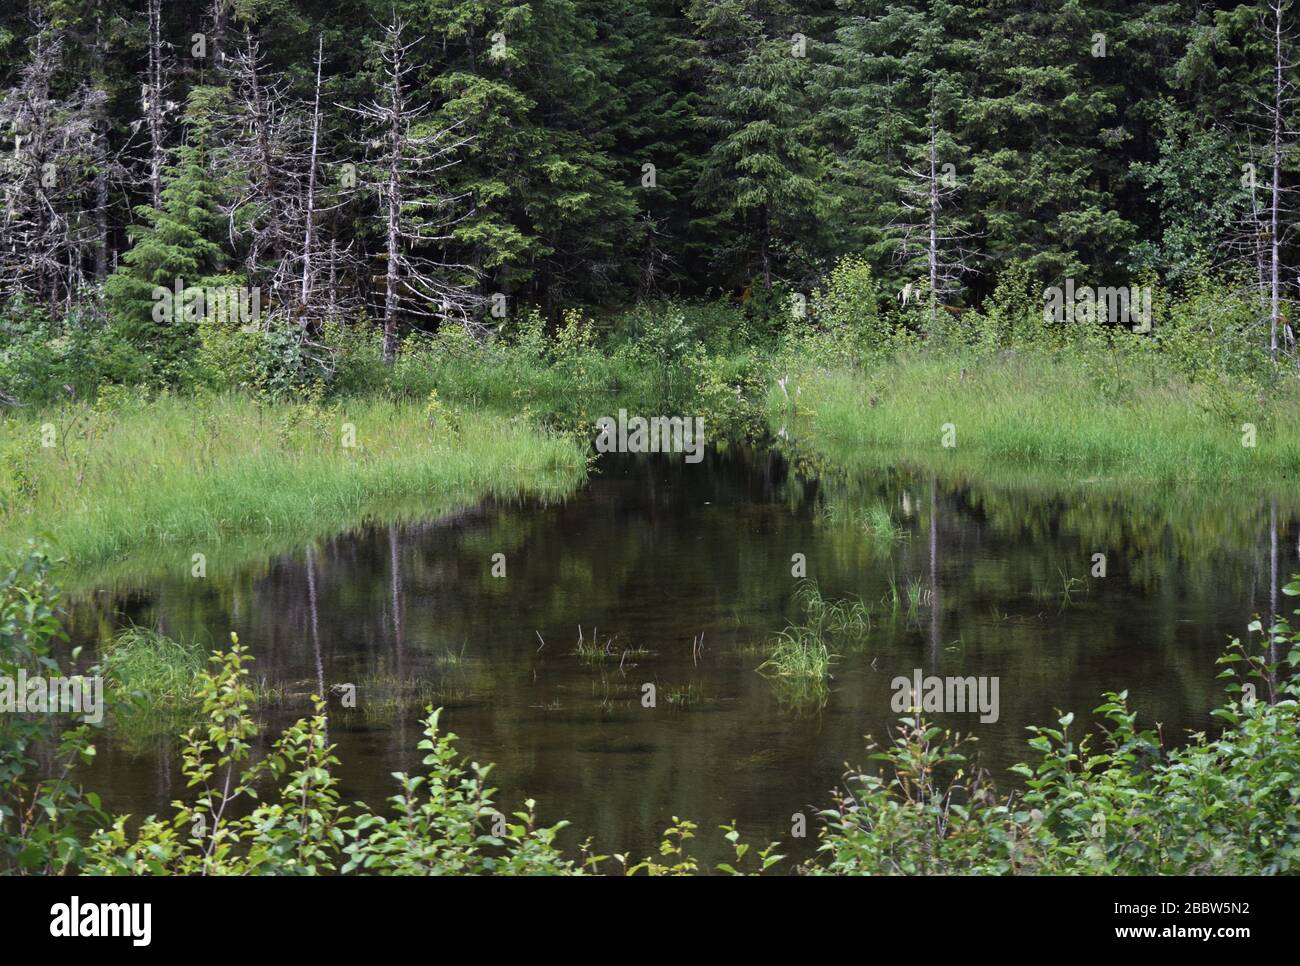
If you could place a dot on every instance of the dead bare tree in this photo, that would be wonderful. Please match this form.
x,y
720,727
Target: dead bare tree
x,y
309,210
931,234
1279,112
1266,228
154,104
218,18
263,158
325,270
48,230
416,208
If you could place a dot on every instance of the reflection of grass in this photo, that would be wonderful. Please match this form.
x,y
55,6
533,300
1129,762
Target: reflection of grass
x,y
800,696
383,697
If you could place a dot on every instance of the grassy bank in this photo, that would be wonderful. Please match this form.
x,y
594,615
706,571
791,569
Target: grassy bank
x,y
1041,414
228,476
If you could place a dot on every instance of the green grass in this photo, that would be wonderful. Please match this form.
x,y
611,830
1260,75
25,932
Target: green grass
x,y
798,668
799,652
234,479
153,681
1041,415
850,615
153,670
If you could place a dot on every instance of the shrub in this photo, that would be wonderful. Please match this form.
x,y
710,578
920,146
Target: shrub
x,y
42,811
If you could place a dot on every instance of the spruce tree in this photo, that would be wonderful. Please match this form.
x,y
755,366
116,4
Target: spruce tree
x,y
1044,125
895,87
174,246
532,93
762,176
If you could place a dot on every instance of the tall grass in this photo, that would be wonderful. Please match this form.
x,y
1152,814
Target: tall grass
x,y
154,671
849,615
178,477
798,668
1051,415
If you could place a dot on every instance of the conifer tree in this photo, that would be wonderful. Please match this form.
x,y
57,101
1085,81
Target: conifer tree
x,y
895,86
173,247
1044,126
531,90
762,174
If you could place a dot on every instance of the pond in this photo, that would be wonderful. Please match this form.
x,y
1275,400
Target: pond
x,y
680,574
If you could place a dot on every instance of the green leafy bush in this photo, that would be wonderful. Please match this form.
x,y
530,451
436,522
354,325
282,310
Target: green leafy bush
x,y
43,812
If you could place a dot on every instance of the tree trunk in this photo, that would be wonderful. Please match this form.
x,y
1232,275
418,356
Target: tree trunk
x,y
155,107
309,216
1274,294
933,248
394,213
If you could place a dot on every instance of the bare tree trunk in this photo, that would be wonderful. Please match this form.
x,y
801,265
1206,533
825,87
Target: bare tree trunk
x,y
309,215
412,163
332,303
219,31
1275,202
261,121
933,248
101,153
155,106
394,196
933,238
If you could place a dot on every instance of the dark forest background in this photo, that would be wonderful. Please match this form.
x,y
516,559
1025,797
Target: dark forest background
x,y
424,160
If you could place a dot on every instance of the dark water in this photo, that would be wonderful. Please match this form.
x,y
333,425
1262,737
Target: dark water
x,y
660,556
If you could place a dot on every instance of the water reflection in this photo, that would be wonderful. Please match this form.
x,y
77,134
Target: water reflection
x,y
684,569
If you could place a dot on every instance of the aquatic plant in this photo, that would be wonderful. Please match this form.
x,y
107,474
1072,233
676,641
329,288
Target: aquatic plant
x,y
152,671
798,667
847,615
878,523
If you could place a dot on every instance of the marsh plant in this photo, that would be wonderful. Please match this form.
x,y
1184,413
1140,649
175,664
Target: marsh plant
x,y
153,672
594,651
907,598
847,615
878,523
799,651
875,521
